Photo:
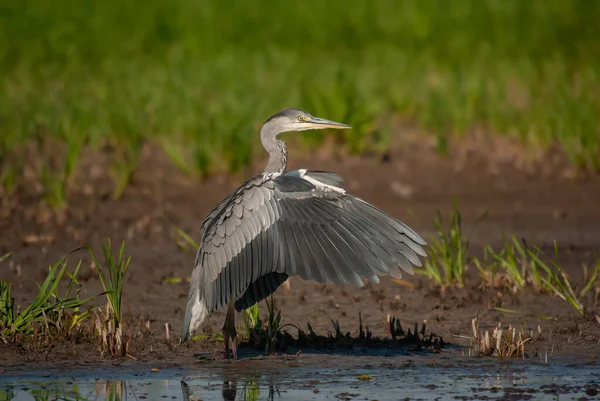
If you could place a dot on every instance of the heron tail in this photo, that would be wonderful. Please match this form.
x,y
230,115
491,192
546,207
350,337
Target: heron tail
x,y
196,311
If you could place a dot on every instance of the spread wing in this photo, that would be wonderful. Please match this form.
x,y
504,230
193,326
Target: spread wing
x,y
298,223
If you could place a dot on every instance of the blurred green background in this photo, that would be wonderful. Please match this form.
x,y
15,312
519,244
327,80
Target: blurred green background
x,y
199,77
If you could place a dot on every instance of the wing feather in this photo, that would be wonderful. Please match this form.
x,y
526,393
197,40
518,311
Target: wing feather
x,y
359,255
290,250
310,264
335,253
299,223
322,263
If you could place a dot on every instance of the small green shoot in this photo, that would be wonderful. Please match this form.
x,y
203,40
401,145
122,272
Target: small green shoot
x,y
186,242
447,253
4,257
273,326
591,282
174,280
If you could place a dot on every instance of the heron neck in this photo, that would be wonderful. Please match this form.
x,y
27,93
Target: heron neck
x,y
277,158
277,149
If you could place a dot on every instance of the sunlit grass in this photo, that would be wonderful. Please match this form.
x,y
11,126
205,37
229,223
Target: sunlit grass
x,y
268,333
517,267
592,281
199,78
512,267
447,253
274,327
558,282
50,312
251,320
112,276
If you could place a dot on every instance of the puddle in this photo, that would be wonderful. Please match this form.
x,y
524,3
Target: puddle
x,y
267,380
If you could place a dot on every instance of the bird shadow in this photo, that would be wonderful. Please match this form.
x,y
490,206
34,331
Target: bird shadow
x,y
264,341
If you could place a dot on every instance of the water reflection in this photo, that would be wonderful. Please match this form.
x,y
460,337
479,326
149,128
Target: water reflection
x,y
111,390
230,390
234,389
40,394
249,390
287,383
41,391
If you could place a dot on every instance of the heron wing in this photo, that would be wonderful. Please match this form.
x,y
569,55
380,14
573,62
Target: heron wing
x,y
298,223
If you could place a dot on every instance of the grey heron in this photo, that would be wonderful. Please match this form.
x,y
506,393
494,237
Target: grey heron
x,y
291,223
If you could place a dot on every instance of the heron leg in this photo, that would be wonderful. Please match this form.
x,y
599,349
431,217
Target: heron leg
x,y
229,332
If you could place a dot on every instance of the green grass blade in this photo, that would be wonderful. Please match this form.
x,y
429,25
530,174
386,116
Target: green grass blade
x,y
590,284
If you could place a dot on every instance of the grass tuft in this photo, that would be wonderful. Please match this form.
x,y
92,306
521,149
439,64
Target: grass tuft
x,y
250,320
269,335
274,327
558,282
517,266
50,312
592,281
448,253
109,325
512,267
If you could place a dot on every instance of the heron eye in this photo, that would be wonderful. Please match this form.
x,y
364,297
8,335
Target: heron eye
x,y
300,118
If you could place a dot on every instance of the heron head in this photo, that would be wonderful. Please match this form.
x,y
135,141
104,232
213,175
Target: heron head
x,y
299,120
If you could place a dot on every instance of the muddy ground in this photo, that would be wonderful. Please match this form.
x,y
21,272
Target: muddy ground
x,y
537,197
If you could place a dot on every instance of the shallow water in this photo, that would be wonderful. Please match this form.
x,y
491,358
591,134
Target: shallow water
x,y
392,379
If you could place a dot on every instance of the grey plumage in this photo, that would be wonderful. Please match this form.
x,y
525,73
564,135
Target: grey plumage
x,y
280,224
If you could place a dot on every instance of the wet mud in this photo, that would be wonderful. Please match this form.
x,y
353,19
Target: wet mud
x,y
542,202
